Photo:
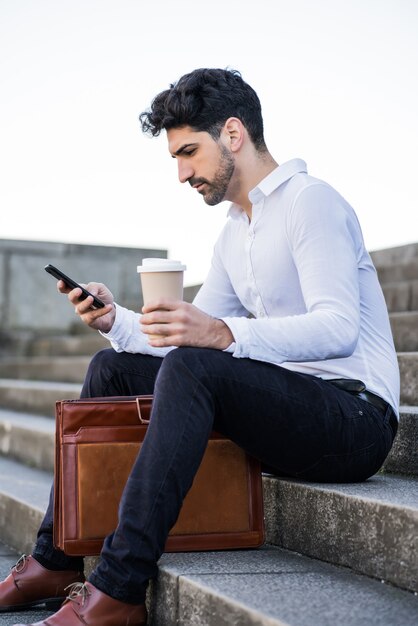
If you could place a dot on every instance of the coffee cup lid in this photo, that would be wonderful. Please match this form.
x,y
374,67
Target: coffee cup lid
x,y
160,265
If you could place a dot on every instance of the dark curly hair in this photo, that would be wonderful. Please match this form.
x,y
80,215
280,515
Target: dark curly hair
x,y
204,100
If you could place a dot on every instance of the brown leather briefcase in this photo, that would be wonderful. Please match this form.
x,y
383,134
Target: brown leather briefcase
x,y
97,441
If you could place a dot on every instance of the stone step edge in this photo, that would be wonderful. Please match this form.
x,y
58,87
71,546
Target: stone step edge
x,y
206,589
270,587
282,499
30,439
19,517
35,396
372,535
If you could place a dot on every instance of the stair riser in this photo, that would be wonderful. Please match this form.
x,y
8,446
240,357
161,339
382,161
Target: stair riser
x,y
249,589
397,255
408,367
197,606
398,272
51,369
38,401
36,448
19,523
401,296
69,346
403,458
32,448
405,331
367,536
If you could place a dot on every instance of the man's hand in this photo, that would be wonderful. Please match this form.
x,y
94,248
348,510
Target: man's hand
x,y
99,319
178,323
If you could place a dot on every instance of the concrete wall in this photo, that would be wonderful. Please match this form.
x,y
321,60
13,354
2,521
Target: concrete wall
x,y
29,300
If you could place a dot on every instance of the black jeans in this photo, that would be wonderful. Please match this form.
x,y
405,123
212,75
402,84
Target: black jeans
x,y
298,425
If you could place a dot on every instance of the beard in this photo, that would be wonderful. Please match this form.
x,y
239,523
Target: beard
x,y
216,188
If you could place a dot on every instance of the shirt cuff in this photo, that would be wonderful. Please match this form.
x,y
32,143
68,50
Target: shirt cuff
x,y
124,322
240,331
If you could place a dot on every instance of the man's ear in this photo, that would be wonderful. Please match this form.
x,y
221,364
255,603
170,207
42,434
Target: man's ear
x,y
233,133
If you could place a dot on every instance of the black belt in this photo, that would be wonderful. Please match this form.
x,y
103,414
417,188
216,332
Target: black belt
x,y
378,402
357,388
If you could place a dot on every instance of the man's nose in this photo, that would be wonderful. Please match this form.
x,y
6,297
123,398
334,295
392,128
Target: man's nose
x,y
185,171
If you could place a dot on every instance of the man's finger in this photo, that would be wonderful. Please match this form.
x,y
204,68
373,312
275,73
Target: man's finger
x,y
162,304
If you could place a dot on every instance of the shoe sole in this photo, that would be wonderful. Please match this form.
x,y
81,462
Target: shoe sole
x,y
53,604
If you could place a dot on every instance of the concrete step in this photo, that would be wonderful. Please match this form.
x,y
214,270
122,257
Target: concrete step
x,y
394,272
263,587
35,396
401,295
371,527
405,330
24,496
30,439
408,367
68,345
395,255
27,438
271,587
401,298
403,458
72,369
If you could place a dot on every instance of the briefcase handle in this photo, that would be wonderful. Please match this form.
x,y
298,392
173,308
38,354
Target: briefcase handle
x,y
138,406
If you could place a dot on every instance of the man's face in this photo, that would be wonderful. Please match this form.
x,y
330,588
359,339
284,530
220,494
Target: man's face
x,y
206,164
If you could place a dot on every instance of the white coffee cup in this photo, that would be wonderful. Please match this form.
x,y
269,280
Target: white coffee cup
x,y
161,278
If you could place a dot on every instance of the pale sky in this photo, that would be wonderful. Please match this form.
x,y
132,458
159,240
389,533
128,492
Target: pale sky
x,y
337,79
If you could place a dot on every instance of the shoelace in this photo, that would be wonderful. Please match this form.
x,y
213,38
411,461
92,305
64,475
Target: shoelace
x,y
77,590
20,565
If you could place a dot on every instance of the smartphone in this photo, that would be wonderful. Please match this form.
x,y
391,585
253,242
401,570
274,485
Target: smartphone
x,y
97,303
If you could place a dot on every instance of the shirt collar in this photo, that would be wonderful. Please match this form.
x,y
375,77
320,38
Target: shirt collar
x,y
272,181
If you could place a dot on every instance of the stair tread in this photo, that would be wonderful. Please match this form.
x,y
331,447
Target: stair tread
x,y
26,418
404,314
8,360
406,409
266,587
385,506
38,384
27,421
272,586
388,489
391,489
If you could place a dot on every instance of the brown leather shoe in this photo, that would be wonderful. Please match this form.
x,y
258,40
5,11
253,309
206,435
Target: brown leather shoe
x,y
87,606
30,584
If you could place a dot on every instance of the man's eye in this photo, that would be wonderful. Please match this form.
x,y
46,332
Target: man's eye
x,y
189,152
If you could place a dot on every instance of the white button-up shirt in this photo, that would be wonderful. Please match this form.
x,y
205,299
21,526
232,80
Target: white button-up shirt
x,y
300,268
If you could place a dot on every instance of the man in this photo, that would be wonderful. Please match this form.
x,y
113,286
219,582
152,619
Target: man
x,y
285,383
